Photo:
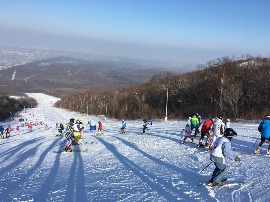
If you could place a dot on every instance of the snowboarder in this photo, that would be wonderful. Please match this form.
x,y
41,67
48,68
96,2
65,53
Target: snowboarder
x,y
188,133
144,127
205,131
218,129
221,149
100,133
264,129
8,131
194,124
2,131
123,126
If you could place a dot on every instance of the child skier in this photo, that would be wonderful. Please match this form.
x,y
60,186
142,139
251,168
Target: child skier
x,y
194,124
144,126
60,129
69,134
100,133
188,133
8,131
205,131
221,149
264,129
123,126
2,131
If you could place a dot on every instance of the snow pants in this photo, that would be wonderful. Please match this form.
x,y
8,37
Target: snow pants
x,y
263,141
219,170
77,137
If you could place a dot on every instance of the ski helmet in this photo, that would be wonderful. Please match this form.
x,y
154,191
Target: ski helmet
x,y
220,116
229,133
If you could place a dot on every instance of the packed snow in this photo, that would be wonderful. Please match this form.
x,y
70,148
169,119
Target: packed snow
x,y
122,167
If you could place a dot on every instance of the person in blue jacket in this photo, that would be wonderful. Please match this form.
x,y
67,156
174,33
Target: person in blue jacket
x,y
220,150
124,125
2,131
264,129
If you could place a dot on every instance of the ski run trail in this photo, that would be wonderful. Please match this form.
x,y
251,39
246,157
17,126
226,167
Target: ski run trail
x,y
122,167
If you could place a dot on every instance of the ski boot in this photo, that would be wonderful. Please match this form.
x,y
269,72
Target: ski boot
x,y
206,145
258,150
200,145
268,152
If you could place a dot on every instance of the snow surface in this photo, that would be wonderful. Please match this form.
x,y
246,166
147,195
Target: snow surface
x,y
122,167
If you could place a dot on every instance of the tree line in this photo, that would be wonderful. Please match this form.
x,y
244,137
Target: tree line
x,y
236,88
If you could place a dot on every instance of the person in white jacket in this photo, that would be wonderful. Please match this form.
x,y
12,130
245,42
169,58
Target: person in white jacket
x,y
218,129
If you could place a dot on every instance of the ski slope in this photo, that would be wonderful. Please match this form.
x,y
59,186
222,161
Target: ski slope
x,y
121,167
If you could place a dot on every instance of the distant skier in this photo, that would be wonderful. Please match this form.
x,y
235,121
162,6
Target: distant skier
x,y
123,126
218,129
60,129
264,129
8,131
30,127
100,133
221,149
194,123
188,133
144,127
228,123
2,131
205,131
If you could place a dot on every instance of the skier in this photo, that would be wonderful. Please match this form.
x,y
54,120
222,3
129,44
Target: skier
x,y
194,124
144,126
228,123
17,128
78,131
100,133
30,127
222,149
2,131
188,133
264,129
205,131
123,126
8,131
69,134
218,129
60,129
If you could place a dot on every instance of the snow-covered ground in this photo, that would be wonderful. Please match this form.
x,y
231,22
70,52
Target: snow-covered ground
x,y
121,167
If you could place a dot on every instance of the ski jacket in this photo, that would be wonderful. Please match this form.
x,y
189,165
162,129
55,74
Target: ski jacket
x,y
78,127
188,130
218,127
207,125
264,128
194,121
124,125
1,129
100,126
222,148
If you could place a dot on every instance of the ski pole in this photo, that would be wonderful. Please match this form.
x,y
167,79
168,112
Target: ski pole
x,y
205,167
256,140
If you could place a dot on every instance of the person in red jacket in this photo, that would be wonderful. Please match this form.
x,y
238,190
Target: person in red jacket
x,y
205,131
100,133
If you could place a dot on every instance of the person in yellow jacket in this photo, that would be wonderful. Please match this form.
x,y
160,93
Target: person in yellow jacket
x,y
194,122
78,131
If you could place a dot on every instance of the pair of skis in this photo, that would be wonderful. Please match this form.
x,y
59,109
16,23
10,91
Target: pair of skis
x,y
229,184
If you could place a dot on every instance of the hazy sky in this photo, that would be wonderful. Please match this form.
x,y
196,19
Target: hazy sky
x,y
182,31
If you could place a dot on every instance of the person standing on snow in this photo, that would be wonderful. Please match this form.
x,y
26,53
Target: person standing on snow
x,y
8,131
188,133
194,122
218,129
264,129
228,123
144,126
123,126
100,133
221,149
2,131
60,129
205,131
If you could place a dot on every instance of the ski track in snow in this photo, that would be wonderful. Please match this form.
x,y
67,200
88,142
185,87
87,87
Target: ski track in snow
x,y
121,167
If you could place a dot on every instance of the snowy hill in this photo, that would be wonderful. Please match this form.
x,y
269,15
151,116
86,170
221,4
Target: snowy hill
x,y
121,167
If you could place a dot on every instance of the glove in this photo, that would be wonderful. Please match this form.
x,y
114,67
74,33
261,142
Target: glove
x,y
237,159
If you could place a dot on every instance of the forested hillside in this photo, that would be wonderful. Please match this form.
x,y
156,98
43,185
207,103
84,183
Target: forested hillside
x,y
235,88
9,106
